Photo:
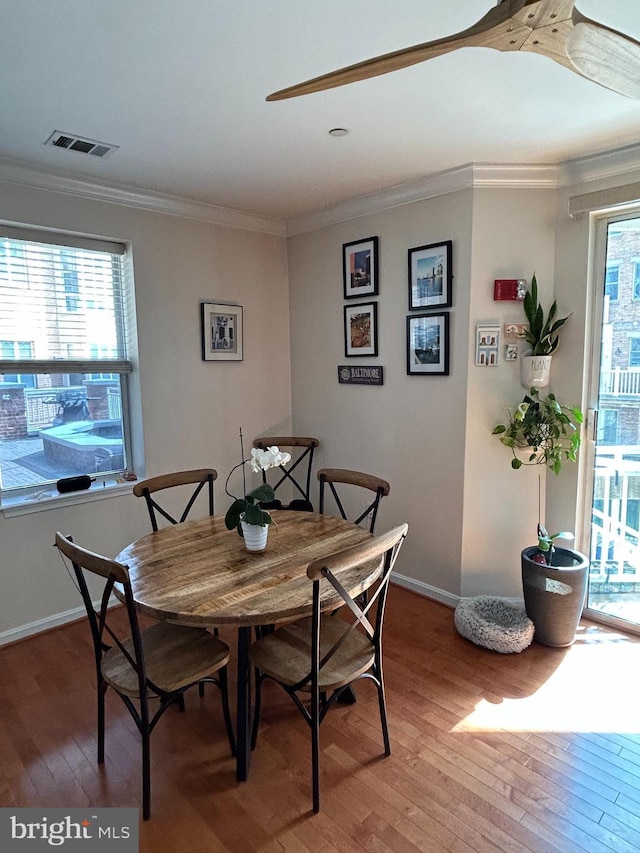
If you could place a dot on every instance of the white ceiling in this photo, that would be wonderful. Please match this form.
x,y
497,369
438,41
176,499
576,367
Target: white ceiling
x,y
180,86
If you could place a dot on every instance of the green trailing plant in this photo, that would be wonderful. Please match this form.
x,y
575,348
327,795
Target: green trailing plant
x,y
542,430
541,333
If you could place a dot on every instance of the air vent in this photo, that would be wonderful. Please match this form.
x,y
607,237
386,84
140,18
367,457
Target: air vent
x,y
80,144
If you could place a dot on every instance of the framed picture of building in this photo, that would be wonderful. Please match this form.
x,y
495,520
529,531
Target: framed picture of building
x,y
428,344
430,276
487,344
360,268
221,327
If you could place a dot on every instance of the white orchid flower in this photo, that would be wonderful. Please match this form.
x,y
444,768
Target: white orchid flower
x,y
258,461
262,460
278,457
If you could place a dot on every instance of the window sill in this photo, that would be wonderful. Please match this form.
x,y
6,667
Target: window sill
x,y
50,498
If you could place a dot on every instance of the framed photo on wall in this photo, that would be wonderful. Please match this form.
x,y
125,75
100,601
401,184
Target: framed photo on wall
x,y
428,344
360,268
430,276
488,344
361,329
221,329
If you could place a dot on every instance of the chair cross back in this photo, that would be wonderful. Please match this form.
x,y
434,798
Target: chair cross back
x,y
330,476
325,654
159,662
301,482
199,477
83,561
385,547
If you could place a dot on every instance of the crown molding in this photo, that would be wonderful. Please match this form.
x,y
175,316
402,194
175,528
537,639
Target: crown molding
x,y
16,172
602,166
605,165
470,176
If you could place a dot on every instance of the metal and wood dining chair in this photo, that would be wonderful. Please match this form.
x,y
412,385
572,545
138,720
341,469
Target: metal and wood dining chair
x,y
344,477
301,449
157,663
322,655
200,478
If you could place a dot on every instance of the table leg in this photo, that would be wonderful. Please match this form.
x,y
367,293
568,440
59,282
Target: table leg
x,y
347,697
243,706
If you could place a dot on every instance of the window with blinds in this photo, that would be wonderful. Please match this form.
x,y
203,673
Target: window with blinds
x,y
63,358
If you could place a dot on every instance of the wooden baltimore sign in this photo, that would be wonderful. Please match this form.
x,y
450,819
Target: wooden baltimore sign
x,y
351,375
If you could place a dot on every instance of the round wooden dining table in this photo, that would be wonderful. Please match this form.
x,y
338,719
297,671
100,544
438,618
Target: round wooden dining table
x,y
200,573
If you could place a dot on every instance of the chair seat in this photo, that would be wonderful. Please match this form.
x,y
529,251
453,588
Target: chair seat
x,y
297,505
285,654
300,505
175,656
274,504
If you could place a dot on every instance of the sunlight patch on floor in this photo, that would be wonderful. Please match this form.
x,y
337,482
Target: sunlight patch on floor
x,y
587,675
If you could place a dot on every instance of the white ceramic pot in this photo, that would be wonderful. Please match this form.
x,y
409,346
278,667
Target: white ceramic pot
x,y
535,370
255,536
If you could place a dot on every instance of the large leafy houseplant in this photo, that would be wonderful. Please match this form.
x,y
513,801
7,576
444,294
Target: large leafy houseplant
x,y
543,431
541,333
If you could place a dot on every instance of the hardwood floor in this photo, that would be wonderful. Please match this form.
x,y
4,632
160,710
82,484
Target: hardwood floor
x,y
538,751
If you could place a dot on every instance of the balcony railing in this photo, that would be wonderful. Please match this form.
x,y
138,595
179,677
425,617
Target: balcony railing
x,y
615,542
620,382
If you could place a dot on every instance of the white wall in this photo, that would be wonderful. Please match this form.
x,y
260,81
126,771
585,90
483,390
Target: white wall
x,y
469,513
513,237
411,431
191,410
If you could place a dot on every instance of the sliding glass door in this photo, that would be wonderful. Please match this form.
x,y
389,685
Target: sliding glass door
x,y
614,541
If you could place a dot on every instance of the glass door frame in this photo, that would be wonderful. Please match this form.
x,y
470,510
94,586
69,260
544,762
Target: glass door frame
x,y
598,243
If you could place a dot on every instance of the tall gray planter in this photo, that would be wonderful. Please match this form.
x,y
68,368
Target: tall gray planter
x,y
554,595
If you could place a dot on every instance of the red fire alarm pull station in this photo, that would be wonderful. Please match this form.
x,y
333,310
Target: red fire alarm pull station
x,y
509,289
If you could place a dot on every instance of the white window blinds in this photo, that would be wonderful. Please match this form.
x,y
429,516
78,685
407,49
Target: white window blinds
x,y
62,300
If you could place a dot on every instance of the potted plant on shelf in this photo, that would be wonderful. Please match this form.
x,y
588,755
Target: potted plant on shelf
x,y
245,514
554,583
542,335
541,431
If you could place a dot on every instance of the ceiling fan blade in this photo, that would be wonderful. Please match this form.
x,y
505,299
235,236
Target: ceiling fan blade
x,y
496,30
605,56
552,28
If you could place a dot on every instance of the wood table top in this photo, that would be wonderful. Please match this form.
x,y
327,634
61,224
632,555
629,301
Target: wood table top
x,y
200,573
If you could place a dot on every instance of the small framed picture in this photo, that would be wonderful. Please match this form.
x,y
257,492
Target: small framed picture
x,y
360,268
430,276
511,352
221,327
513,331
487,344
428,344
361,329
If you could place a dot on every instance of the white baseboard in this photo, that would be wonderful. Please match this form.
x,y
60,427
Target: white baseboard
x,y
440,595
45,624
49,622
11,636
426,589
